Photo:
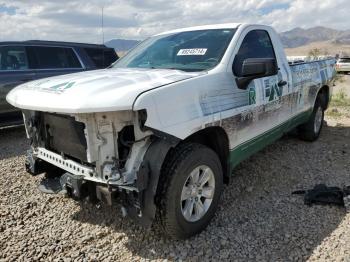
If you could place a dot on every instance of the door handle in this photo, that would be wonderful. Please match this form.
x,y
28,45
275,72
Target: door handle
x,y
282,83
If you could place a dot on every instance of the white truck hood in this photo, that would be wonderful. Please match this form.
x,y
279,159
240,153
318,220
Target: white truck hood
x,y
92,91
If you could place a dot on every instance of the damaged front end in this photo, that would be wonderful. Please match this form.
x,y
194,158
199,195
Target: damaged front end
x,y
98,156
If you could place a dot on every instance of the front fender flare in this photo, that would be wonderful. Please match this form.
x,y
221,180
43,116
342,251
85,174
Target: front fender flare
x,y
153,160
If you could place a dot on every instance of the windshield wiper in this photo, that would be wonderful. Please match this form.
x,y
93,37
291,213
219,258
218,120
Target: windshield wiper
x,y
169,68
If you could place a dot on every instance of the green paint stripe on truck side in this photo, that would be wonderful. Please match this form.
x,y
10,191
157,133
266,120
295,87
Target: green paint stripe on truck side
x,y
245,150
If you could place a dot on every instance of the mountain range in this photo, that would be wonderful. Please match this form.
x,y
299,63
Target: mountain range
x,y
294,38
121,45
299,37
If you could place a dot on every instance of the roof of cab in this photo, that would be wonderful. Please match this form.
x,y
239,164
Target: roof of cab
x,y
203,27
52,43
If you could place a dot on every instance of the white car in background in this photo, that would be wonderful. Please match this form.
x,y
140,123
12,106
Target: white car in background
x,y
343,65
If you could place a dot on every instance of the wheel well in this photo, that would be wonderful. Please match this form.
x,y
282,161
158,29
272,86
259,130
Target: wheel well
x,y
216,139
324,91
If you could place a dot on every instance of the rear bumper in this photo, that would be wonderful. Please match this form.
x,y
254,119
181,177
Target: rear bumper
x,y
344,69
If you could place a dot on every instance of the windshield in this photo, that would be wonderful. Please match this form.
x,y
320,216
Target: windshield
x,y
187,51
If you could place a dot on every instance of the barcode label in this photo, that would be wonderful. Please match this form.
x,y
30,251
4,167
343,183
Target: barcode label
x,y
192,51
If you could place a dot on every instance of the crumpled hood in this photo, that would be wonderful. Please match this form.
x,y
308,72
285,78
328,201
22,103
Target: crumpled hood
x,y
92,91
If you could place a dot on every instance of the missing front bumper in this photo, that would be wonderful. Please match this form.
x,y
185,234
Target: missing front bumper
x,y
137,198
65,164
77,188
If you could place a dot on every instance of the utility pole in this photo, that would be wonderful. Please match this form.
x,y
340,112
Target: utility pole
x,y
102,27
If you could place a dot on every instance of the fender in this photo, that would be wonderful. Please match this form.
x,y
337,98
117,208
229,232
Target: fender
x,y
150,173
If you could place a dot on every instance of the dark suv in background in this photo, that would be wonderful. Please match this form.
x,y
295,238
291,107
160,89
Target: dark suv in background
x,y
21,62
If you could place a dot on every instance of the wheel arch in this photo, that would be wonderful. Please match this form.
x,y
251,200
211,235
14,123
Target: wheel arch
x,y
162,149
216,139
325,92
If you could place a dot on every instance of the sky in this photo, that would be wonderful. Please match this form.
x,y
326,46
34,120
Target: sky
x,y
80,20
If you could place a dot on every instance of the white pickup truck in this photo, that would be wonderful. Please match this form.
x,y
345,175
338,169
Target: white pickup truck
x,y
162,129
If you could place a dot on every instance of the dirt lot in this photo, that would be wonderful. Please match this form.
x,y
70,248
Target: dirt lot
x,y
258,218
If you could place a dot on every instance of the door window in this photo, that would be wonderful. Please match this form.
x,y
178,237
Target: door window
x,y
55,58
256,44
102,58
96,55
99,57
110,56
13,58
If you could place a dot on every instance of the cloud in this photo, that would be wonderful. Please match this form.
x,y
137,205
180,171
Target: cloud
x,y
82,19
75,20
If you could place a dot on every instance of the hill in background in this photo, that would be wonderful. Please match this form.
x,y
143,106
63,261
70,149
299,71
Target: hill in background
x,y
299,37
121,45
328,41
297,41
324,47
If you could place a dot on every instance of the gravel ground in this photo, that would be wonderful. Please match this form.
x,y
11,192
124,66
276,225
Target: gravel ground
x,y
343,85
258,218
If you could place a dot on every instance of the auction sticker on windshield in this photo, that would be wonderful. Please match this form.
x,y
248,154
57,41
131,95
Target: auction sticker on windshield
x,y
192,51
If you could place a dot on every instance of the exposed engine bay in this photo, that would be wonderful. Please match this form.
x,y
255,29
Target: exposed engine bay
x,y
99,156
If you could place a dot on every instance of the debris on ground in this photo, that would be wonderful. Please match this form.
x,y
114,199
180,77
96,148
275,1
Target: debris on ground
x,y
322,194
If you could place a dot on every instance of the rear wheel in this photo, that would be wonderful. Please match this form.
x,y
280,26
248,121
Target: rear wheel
x,y
311,130
192,184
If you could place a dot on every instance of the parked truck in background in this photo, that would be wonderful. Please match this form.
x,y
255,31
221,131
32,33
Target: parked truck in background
x,y
162,129
343,65
25,61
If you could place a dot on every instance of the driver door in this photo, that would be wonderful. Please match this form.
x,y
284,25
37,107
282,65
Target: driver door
x,y
259,114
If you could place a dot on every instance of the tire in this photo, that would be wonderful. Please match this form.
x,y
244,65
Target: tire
x,y
179,193
310,131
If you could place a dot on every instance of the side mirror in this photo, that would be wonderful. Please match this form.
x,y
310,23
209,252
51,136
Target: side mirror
x,y
253,68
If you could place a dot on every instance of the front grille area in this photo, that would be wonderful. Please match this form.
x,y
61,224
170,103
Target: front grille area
x,y
63,135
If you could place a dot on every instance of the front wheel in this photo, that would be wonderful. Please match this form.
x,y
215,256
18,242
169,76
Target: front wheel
x,y
192,184
311,130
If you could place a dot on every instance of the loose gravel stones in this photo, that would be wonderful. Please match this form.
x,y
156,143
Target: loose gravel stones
x,y
258,218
